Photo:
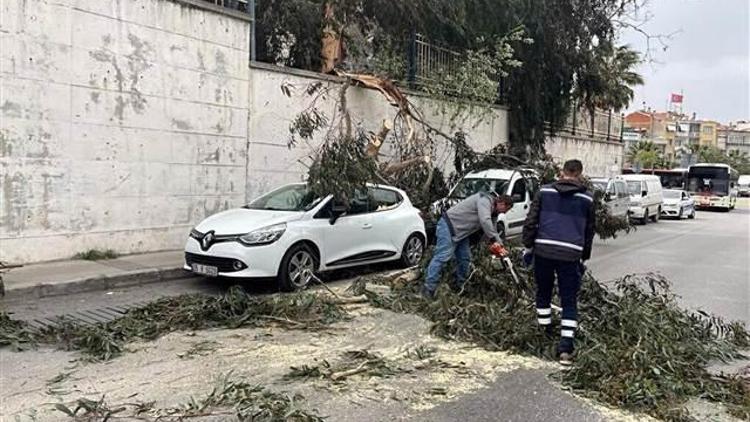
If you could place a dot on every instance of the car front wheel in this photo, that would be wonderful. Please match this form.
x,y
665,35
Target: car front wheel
x,y
297,268
413,251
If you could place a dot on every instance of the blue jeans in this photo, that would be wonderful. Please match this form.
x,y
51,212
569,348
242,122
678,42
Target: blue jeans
x,y
445,250
568,283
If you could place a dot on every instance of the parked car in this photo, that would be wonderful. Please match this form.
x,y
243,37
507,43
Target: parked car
x,y
616,196
520,184
291,233
678,203
645,197
743,185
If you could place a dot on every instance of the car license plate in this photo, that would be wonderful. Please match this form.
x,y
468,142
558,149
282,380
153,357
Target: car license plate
x,y
207,270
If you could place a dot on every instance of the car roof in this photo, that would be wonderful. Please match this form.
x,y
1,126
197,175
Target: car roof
x,y
675,190
372,185
492,174
605,179
640,177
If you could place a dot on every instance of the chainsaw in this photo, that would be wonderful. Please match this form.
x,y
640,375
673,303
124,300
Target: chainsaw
x,y
500,253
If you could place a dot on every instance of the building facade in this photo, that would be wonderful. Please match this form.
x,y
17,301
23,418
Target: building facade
x,y
736,137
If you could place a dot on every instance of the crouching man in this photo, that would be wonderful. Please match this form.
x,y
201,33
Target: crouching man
x,y
559,231
476,212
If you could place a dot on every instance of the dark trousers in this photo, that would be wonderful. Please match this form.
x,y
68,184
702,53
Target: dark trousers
x,y
568,283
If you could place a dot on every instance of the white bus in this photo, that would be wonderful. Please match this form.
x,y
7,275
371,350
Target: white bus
x,y
713,185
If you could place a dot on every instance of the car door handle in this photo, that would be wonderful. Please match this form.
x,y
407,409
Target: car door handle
x,y
367,226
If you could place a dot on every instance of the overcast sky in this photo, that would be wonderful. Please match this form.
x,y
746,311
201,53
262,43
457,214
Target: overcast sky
x,y
709,59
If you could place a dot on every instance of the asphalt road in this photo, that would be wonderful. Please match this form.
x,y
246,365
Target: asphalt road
x,y
707,259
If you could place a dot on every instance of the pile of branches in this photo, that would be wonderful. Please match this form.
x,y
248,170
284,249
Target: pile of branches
x,y
637,349
234,309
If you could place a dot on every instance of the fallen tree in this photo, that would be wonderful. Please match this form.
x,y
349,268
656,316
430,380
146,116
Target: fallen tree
x,y
637,349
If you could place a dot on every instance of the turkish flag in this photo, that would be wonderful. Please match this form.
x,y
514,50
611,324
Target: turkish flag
x,y
676,98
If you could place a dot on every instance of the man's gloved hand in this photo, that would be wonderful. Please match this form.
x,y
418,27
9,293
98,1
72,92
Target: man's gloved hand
x,y
528,257
498,250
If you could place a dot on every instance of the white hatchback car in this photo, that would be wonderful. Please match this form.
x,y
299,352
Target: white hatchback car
x,y
291,234
678,203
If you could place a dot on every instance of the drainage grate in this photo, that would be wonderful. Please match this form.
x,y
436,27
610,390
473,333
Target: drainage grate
x,y
86,317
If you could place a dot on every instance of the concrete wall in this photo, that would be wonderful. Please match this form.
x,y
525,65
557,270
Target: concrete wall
x,y
271,161
599,157
122,122
125,122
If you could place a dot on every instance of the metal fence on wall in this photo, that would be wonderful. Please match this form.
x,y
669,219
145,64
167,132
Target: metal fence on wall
x,y
427,62
243,6
605,125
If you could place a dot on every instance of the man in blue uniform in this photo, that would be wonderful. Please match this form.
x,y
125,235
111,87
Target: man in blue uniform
x,y
559,231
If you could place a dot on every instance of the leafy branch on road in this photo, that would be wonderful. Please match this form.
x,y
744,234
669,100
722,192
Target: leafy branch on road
x,y
230,397
235,309
637,349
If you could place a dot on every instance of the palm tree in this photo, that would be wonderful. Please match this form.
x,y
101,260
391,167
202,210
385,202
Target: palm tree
x,y
645,153
607,82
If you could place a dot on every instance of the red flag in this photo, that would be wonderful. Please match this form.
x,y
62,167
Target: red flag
x,y
676,98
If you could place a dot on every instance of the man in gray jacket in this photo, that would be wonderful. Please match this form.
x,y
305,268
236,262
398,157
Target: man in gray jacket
x,y
476,212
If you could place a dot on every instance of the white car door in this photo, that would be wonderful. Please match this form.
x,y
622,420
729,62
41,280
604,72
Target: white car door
x,y
515,218
351,235
388,222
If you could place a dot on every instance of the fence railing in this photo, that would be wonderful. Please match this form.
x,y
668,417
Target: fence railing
x,y
427,62
605,125
243,6
239,5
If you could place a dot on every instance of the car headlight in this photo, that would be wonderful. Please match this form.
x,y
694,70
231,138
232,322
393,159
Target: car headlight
x,y
635,204
264,236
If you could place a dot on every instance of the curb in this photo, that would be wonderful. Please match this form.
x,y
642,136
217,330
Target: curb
x,y
104,282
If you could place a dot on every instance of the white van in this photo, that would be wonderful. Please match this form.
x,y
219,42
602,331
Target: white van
x,y
518,184
616,195
646,198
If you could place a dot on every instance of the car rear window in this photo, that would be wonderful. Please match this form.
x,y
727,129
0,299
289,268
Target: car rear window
x,y
385,199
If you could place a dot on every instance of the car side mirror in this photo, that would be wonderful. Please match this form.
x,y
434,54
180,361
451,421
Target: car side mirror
x,y
517,198
337,210
644,193
607,197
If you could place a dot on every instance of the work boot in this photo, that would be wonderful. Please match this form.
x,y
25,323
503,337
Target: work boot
x,y
427,294
566,359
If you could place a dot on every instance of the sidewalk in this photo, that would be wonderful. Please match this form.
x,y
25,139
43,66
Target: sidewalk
x,y
66,277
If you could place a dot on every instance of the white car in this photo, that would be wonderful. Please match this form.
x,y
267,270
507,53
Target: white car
x,y
520,185
292,233
678,203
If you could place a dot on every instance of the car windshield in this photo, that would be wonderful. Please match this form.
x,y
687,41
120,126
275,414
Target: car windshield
x,y
599,185
672,194
468,187
287,198
634,187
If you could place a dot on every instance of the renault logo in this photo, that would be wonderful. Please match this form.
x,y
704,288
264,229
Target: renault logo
x,y
208,240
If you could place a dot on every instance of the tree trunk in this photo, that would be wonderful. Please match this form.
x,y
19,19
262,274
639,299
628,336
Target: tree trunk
x,y
332,51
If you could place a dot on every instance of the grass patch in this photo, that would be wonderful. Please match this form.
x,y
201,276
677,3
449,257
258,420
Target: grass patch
x,y
637,349
96,255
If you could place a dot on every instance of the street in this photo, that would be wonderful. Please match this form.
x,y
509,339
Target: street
x,y
706,259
